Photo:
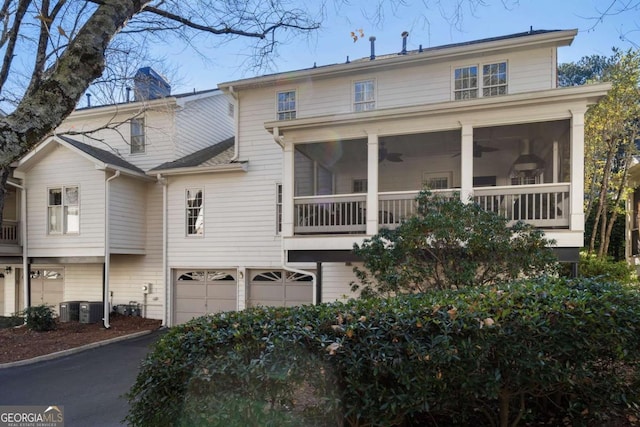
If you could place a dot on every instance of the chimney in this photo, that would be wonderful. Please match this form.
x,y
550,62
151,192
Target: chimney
x,y
404,34
148,85
372,39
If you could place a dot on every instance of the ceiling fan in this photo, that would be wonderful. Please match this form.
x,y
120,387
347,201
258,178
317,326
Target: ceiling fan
x,y
479,149
384,154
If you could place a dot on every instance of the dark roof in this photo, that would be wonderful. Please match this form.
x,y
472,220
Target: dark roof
x,y
216,154
101,155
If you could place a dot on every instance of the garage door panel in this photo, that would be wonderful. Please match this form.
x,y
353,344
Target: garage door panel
x,y
192,305
188,290
299,293
218,305
226,291
279,288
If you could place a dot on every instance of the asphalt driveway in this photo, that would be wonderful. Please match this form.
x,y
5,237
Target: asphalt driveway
x,y
89,384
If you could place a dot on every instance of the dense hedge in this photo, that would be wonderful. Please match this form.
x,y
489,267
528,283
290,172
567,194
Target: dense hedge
x,y
522,352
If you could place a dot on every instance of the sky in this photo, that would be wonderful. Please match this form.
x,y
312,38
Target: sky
x,y
333,43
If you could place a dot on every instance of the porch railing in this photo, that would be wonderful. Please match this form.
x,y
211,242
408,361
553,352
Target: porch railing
x,y
542,205
9,232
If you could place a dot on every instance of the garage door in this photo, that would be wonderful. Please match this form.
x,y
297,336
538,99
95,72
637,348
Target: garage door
x,y
47,286
279,288
200,292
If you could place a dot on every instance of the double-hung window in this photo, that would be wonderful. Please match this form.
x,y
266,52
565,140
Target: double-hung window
x,y
494,79
286,105
137,136
195,212
63,210
469,84
364,97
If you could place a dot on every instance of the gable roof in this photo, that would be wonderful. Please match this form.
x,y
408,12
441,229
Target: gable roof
x,y
102,158
217,157
449,51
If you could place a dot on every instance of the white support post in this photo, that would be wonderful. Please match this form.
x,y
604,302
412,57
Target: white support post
x,y
466,163
287,190
576,222
372,184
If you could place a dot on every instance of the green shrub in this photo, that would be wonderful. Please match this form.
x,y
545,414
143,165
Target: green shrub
x,y
10,322
40,318
450,244
605,269
526,352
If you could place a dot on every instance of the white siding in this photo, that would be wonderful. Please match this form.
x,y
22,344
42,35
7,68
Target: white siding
x,y
336,281
159,135
65,168
130,272
82,282
127,214
203,122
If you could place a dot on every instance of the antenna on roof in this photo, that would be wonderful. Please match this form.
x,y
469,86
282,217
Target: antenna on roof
x,y
372,39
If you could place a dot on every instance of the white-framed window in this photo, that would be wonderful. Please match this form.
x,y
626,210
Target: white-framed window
x,y
364,97
137,136
278,208
485,80
465,81
63,210
437,180
194,212
286,101
494,79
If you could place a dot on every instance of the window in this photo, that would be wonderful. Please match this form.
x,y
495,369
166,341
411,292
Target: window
x,y
494,79
437,180
63,210
278,208
468,85
137,136
287,105
195,212
360,185
364,96
466,82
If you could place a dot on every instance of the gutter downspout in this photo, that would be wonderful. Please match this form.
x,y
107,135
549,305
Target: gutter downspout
x,y
236,119
23,231
167,287
107,249
279,139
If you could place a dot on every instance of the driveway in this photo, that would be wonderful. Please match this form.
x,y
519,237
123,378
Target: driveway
x,y
89,384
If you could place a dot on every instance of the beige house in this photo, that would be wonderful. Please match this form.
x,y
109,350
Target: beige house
x,y
322,158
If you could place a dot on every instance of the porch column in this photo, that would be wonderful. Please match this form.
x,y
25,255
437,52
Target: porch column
x,y
372,184
287,190
576,221
466,163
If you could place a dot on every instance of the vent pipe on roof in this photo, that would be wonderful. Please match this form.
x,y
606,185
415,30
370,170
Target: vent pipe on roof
x,y
404,34
420,48
348,61
88,100
372,39
128,94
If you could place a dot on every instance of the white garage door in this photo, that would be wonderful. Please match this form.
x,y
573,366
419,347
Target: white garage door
x,y
47,286
279,288
200,292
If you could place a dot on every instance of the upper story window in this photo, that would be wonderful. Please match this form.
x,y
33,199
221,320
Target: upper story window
x,y
63,210
364,98
137,136
494,79
467,84
195,212
287,105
